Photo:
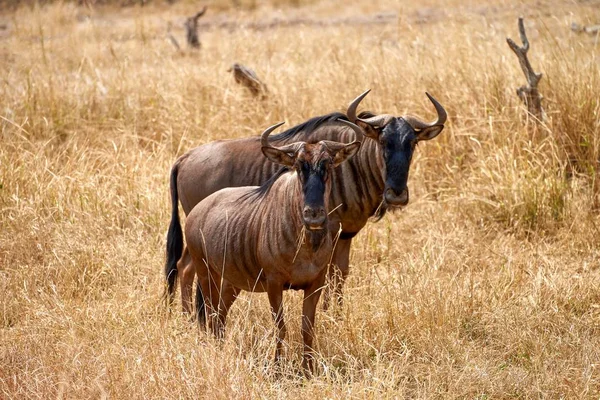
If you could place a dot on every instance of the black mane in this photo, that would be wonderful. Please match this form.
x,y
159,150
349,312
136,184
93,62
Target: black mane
x,y
307,127
262,190
298,132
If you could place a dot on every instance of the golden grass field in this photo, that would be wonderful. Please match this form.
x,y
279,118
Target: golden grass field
x,y
486,286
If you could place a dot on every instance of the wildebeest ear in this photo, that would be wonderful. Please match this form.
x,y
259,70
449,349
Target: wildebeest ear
x,y
370,131
278,156
430,133
345,153
375,124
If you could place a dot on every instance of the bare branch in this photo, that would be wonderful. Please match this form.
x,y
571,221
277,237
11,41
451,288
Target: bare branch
x,y
191,27
200,13
575,27
172,38
248,78
592,29
528,94
174,41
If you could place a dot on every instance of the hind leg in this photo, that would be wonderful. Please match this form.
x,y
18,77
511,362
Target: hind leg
x,y
186,272
227,296
214,300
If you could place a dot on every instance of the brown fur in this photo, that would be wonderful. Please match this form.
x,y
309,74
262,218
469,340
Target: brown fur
x,y
217,165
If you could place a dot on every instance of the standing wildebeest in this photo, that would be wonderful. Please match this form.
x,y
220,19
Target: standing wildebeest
x,y
268,238
374,180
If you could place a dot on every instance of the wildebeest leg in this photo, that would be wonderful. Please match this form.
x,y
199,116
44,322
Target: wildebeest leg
x,y
275,292
309,309
209,282
228,294
186,273
338,272
204,298
218,296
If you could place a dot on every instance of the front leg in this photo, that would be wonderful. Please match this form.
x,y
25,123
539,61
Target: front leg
x,y
275,293
338,272
309,309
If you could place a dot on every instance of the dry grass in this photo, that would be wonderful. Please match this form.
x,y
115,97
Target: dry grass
x,y
487,285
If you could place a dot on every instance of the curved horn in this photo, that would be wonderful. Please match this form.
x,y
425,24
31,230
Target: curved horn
x,y
441,119
264,138
357,129
351,113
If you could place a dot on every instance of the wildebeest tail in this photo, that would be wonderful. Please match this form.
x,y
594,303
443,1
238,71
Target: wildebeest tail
x,y
174,239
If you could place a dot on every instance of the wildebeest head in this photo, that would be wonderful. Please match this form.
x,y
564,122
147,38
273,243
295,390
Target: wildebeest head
x,y
313,164
397,138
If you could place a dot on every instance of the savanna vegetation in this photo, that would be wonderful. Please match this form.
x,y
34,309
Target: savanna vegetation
x,y
486,286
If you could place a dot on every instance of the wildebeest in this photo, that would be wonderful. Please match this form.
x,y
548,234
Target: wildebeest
x,y
268,238
374,180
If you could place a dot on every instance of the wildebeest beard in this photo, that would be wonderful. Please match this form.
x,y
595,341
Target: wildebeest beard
x,y
381,210
316,238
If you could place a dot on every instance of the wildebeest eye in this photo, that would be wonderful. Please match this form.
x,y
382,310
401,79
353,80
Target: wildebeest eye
x,y
304,168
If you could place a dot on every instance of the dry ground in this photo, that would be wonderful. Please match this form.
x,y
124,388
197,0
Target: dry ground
x,y
486,286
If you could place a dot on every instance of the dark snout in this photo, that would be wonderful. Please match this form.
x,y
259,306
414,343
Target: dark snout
x,y
314,217
397,199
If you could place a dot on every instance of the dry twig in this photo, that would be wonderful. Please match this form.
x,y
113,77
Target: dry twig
x,y
529,94
172,38
248,78
191,27
591,29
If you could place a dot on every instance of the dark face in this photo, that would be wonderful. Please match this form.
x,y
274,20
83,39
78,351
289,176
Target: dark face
x,y
397,137
313,166
397,140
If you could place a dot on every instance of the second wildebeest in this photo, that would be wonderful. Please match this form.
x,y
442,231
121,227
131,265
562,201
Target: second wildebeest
x,y
374,181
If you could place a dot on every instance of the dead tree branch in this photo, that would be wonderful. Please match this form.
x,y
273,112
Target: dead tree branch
x,y
191,27
248,78
528,94
591,29
172,38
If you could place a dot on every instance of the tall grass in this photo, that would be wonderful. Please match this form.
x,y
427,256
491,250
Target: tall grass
x,y
486,285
